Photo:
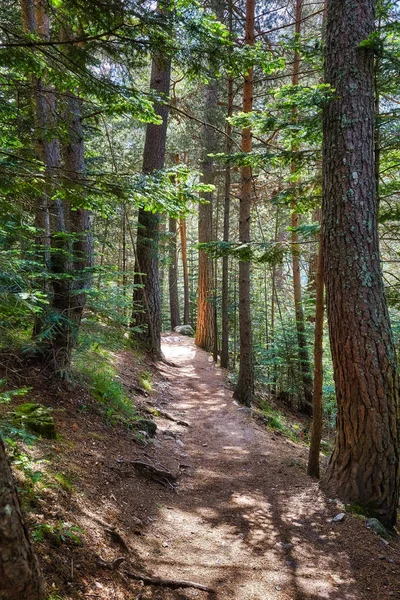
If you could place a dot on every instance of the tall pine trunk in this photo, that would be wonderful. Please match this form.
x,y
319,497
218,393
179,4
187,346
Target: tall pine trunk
x,y
205,310
173,276
244,389
316,431
186,293
20,577
146,312
227,204
364,467
305,404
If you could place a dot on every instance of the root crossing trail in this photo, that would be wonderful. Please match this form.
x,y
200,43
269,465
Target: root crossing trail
x,y
247,521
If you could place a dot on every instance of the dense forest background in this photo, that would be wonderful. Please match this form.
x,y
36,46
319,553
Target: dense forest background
x,y
170,165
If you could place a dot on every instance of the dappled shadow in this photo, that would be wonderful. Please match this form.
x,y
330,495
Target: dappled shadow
x,y
246,520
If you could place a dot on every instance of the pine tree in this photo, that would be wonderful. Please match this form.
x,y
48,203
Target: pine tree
x,y
364,467
244,389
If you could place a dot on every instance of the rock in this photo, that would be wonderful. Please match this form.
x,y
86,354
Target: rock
x,y
338,518
184,329
35,418
377,527
148,426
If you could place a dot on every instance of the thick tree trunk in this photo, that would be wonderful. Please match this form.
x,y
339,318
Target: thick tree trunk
x,y
186,294
244,389
20,577
316,431
173,276
79,218
205,310
364,467
146,312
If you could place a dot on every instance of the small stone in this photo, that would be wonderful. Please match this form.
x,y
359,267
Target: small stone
x,y
205,445
377,527
98,585
147,425
179,442
384,542
278,587
184,329
339,518
165,544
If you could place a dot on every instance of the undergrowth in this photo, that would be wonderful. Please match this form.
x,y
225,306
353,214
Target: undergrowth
x,y
276,421
94,366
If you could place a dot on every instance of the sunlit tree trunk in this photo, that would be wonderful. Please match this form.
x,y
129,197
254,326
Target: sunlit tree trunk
x,y
245,385
364,467
20,577
205,310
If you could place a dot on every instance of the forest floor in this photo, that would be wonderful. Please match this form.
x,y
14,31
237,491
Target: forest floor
x,y
244,519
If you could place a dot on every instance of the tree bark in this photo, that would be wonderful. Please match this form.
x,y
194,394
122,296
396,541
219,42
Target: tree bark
x,y
244,389
305,404
316,431
364,467
147,259
186,294
173,276
205,310
227,201
20,577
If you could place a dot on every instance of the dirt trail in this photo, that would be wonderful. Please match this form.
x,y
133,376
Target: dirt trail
x,y
247,520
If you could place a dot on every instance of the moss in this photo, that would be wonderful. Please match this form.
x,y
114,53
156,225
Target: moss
x,y
35,418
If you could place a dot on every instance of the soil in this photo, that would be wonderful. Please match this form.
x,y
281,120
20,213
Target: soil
x,y
244,519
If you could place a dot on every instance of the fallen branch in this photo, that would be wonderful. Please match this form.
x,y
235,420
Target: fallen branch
x,y
173,584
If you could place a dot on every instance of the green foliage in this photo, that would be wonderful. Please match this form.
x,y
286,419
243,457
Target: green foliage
x,y
64,481
276,421
58,533
7,395
94,367
144,378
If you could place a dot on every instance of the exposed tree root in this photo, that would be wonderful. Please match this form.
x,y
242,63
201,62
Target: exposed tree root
x,y
173,584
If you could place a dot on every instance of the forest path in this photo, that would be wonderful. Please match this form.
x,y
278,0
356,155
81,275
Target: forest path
x,y
247,521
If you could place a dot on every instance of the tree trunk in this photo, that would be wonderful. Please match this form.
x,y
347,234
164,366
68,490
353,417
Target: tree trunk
x,y
186,294
146,312
20,577
227,202
364,467
205,310
244,389
173,276
316,431
306,399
